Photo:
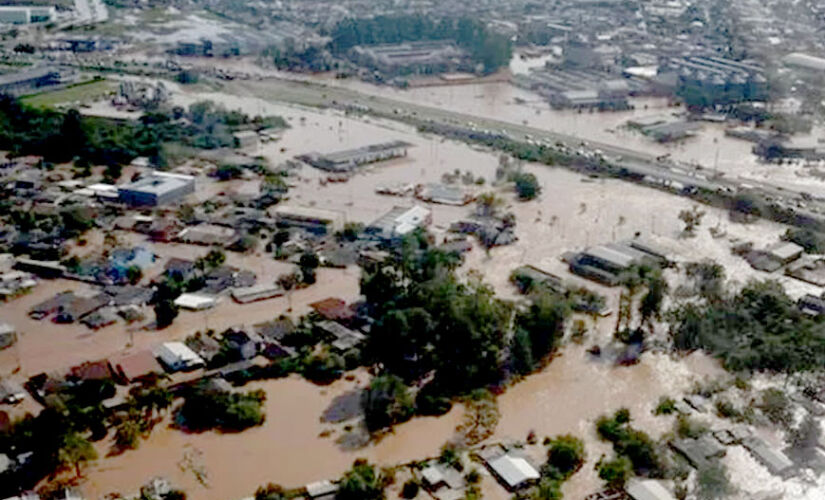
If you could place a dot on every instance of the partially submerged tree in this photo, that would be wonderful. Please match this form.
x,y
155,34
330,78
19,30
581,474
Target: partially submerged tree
x,y
481,416
692,219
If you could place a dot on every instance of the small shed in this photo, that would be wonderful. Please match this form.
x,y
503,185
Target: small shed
x,y
321,490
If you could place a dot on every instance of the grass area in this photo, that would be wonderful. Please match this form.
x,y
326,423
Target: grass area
x,y
80,92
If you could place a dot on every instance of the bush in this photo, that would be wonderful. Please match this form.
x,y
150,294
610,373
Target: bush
x,y
666,406
614,472
204,408
527,186
410,489
687,428
775,405
566,455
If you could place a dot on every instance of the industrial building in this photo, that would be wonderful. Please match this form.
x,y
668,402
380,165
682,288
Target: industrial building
x,y
314,220
710,81
26,14
604,263
410,57
159,188
349,160
399,221
30,80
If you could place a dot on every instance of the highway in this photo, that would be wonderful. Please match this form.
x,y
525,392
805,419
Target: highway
x,y
636,162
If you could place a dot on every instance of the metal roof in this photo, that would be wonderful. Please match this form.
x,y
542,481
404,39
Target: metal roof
x,y
648,489
514,471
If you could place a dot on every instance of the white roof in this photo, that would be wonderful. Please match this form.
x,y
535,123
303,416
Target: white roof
x,y
319,488
513,470
433,475
195,301
786,250
176,353
648,489
6,328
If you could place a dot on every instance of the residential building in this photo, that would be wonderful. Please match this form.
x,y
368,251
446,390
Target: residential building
x,y
158,188
246,139
135,366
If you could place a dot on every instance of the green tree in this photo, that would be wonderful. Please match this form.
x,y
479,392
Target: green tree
x,y
134,274
481,416
566,455
361,482
692,218
527,186
614,473
308,263
75,450
165,313
387,401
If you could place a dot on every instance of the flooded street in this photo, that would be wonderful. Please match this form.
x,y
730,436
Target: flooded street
x,y
293,446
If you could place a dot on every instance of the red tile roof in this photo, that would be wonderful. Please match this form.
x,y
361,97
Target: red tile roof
x,y
137,365
333,309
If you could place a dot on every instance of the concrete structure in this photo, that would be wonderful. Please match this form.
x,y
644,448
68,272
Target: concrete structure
x,y
512,472
27,14
349,160
195,301
399,221
159,188
315,220
176,356
647,489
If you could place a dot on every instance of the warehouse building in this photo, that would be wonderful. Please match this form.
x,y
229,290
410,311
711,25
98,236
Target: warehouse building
x,y
399,221
314,220
159,188
26,14
410,57
29,80
349,160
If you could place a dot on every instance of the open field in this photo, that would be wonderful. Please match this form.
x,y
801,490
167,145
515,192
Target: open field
x,y
78,93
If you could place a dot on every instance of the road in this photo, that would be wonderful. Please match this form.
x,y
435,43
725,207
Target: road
x,y
635,162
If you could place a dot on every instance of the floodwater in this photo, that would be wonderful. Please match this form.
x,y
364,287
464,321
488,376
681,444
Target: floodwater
x,y
572,212
289,448
48,347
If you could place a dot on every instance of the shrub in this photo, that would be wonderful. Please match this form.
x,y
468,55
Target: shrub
x,y
666,406
410,489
